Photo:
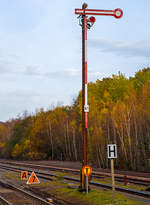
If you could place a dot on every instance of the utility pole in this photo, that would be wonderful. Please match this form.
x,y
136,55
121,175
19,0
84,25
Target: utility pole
x,y
87,23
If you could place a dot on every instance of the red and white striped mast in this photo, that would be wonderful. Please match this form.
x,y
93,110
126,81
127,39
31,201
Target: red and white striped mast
x,y
87,23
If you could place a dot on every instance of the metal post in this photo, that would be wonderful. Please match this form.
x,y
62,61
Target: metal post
x,y
84,89
87,184
84,94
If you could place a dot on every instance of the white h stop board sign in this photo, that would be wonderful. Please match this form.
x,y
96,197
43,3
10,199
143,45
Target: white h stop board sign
x,y
112,151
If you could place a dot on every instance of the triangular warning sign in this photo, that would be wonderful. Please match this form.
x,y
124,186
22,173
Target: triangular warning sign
x,y
33,179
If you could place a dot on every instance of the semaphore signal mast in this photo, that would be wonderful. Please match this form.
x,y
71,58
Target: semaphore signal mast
x,y
86,23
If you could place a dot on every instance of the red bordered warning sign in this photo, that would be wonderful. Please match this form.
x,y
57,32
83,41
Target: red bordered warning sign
x,y
33,179
24,175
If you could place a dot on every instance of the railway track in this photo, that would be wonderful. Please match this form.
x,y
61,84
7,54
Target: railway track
x,y
10,195
96,174
48,176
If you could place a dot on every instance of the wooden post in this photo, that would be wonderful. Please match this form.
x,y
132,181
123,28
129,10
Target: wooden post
x,y
113,179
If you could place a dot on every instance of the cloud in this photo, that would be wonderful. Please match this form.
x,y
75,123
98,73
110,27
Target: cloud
x,y
32,70
94,75
12,67
75,73
64,73
8,67
9,64
21,16
136,49
16,101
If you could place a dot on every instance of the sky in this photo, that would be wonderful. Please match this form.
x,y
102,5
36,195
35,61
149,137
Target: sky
x,y
40,50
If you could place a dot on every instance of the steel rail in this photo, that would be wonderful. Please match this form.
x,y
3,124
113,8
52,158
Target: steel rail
x,y
132,179
4,201
46,176
32,196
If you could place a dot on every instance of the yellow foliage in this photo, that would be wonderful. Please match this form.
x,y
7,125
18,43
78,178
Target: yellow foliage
x,y
26,146
26,143
36,155
72,124
15,151
104,111
1,145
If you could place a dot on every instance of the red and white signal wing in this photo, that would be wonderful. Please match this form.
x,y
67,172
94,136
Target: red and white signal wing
x,y
117,13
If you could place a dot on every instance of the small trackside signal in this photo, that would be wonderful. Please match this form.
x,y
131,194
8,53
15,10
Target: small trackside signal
x,y
118,13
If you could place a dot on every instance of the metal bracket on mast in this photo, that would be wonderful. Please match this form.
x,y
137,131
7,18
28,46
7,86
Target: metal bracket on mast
x,y
90,21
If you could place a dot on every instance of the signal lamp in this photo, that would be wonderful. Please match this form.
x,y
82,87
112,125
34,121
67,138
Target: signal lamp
x,y
92,19
90,22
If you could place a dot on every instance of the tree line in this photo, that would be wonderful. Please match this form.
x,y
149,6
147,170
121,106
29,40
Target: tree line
x,y
119,113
